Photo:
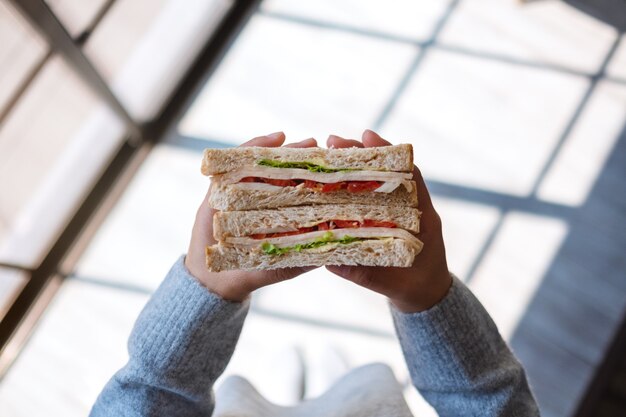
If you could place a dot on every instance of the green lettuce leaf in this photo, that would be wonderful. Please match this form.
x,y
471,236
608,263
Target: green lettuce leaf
x,y
325,239
300,165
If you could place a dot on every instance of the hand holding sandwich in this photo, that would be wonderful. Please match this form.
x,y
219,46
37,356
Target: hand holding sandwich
x,y
427,281
234,285
185,336
411,289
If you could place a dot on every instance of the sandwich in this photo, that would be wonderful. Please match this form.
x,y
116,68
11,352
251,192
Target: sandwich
x,y
351,234
252,178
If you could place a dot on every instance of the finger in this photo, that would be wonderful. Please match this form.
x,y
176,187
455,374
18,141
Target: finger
x,y
306,143
203,227
272,140
423,196
263,278
211,214
365,276
372,139
201,234
335,141
290,273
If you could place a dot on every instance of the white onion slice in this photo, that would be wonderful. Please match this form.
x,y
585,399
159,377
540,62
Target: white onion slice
x,y
387,187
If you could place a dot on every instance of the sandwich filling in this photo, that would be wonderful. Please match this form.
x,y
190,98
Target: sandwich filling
x,y
328,225
301,165
325,242
323,239
272,175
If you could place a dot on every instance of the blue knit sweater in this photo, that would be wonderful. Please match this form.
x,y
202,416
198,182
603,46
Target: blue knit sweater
x,y
185,336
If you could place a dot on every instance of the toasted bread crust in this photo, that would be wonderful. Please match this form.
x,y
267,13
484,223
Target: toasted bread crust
x,y
385,158
388,253
245,223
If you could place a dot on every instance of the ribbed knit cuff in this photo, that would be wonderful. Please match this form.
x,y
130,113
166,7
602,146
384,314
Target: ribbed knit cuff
x,y
452,343
185,330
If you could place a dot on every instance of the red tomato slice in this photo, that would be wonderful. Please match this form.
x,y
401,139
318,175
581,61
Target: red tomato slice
x,y
360,186
346,224
280,183
323,226
375,223
258,236
295,232
281,234
333,186
248,179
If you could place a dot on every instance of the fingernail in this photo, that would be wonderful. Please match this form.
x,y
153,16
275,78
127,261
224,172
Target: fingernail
x,y
275,135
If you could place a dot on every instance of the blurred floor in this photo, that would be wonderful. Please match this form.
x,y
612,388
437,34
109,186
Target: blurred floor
x,y
517,114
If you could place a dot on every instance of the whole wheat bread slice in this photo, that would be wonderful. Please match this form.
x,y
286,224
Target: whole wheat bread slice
x,y
245,223
230,197
388,252
385,158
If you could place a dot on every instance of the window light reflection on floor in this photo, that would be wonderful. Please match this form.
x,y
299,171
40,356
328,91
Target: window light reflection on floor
x,y
585,151
515,264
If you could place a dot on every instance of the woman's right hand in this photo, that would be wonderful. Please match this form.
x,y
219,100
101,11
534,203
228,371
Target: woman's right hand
x,y
427,281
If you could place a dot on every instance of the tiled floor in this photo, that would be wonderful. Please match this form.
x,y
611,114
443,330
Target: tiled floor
x,y
309,83
517,139
22,49
77,345
470,127
405,19
149,227
61,102
617,67
583,155
544,33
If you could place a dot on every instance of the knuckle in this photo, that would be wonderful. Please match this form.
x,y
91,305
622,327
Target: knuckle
x,y
362,277
280,275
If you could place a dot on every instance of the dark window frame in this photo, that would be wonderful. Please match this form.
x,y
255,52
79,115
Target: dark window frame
x,y
23,314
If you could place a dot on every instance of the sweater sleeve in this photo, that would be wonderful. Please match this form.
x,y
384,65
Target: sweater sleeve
x,y
181,342
459,362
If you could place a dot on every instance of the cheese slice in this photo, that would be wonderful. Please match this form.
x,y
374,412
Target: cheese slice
x,y
303,174
360,232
